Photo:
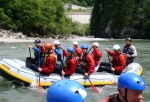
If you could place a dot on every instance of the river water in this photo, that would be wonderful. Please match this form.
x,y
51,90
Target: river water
x,y
12,93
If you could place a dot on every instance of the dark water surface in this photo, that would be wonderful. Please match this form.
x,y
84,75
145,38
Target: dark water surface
x,y
12,93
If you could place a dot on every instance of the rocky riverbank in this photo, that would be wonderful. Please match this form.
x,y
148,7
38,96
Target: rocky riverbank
x,y
8,36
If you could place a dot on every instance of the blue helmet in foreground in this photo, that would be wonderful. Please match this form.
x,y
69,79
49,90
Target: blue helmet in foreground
x,y
84,46
66,91
131,81
71,49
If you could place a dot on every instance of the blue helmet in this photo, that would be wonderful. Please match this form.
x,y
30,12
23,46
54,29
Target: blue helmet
x,y
84,46
131,81
66,91
71,49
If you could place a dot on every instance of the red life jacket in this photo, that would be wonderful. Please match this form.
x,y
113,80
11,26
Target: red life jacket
x,y
88,63
69,65
113,98
97,54
47,55
49,63
118,61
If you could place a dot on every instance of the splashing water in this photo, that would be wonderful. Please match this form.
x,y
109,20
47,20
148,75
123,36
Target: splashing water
x,y
34,86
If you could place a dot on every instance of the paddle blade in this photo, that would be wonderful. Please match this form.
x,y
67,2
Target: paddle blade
x,y
39,85
95,89
35,86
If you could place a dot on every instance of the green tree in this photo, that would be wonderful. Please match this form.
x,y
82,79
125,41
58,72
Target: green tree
x,y
110,17
147,20
43,17
101,18
122,17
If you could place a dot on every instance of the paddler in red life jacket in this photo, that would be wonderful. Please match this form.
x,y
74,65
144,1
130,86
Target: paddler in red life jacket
x,y
78,51
70,63
118,62
96,53
130,87
87,64
50,59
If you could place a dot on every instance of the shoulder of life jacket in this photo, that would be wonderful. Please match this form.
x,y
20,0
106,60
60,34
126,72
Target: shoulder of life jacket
x,y
84,62
112,97
75,54
66,64
46,55
127,50
124,55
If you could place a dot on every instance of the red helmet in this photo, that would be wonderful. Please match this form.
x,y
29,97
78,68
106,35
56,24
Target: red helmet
x,y
48,45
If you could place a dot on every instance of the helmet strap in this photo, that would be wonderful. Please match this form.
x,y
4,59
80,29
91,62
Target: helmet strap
x,y
49,51
71,55
38,46
124,97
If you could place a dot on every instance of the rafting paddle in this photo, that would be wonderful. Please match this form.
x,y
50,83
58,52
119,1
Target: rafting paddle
x,y
30,52
94,88
108,58
90,49
39,72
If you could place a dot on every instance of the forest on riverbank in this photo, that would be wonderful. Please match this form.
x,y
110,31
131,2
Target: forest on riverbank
x,y
121,18
44,18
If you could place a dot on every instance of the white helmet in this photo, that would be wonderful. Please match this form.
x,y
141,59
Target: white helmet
x,y
75,43
56,42
96,44
116,47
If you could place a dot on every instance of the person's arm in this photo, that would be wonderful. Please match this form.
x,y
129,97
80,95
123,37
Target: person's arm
x,y
78,51
42,49
58,51
134,51
36,49
91,63
122,63
111,53
65,53
97,52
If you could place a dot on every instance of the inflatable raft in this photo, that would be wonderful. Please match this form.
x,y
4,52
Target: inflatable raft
x,y
16,70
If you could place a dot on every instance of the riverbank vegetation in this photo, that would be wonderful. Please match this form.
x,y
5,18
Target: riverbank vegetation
x,y
37,18
45,18
119,19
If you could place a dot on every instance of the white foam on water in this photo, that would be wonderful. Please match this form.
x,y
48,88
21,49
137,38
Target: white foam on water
x,y
13,47
34,86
